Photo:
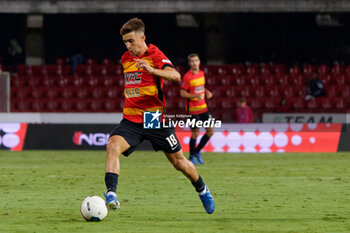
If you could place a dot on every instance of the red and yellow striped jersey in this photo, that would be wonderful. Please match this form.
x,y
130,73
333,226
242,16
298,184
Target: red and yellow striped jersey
x,y
142,90
195,84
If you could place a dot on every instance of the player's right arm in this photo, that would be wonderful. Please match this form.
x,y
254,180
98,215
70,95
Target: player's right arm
x,y
186,95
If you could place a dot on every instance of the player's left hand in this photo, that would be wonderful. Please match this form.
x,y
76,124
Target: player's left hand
x,y
208,94
142,64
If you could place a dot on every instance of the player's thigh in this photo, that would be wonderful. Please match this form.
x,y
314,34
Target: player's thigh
x,y
163,139
118,143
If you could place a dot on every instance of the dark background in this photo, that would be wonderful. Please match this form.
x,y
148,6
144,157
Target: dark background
x,y
256,37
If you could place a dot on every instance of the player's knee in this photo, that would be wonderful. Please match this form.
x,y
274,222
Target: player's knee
x,y
194,135
114,147
210,133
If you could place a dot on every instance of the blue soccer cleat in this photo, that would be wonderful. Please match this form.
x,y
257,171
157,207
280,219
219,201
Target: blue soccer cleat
x,y
112,201
207,200
193,160
199,157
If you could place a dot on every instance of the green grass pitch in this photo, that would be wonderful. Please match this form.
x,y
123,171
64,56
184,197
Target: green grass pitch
x,y
41,191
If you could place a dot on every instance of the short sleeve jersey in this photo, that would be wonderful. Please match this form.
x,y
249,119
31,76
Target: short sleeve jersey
x,y
142,90
195,84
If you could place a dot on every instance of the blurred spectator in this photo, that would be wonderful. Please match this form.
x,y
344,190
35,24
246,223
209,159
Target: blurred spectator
x,y
244,113
284,106
76,59
15,54
314,87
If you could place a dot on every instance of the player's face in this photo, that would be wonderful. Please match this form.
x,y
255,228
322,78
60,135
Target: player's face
x,y
194,63
135,43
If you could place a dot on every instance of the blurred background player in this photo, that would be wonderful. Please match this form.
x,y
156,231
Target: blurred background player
x,y
194,91
145,69
244,113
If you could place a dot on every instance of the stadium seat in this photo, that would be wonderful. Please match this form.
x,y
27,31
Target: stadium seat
x,y
279,69
238,69
259,91
345,91
64,81
172,103
113,92
239,80
110,105
297,79
272,91
340,104
107,80
79,81
338,69
326,104
323,70
332,91
227,104
38,105
253,69
96,105
268,80
254,103
313,105
338,79
253,80
67,105
98,92
24,105
83,92
107,62
224,80
227,116
299,90
53,92
38,92
309,70
266,70
281,79
90,61
294,70
52,105
68,92
81,105
93,81
49,81
269,104
34,81
18,81
23,93
298,103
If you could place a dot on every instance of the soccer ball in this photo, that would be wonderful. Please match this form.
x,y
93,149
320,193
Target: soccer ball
x,y
93,208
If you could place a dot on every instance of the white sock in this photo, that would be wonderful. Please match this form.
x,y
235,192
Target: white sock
x,y
111,193
203,192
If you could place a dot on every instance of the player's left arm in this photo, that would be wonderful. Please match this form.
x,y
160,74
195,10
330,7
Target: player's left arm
x,y
168,73
208,93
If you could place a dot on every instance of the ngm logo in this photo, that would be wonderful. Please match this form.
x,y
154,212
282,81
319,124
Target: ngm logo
x,y
92,139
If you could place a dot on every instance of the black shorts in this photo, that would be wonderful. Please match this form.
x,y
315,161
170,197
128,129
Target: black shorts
x,y
201,117
162,139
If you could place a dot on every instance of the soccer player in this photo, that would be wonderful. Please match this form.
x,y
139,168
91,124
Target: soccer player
x,y
194,91
145,69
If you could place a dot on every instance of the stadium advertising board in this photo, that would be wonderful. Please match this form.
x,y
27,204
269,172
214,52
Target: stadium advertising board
x,y
232,138
304,118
